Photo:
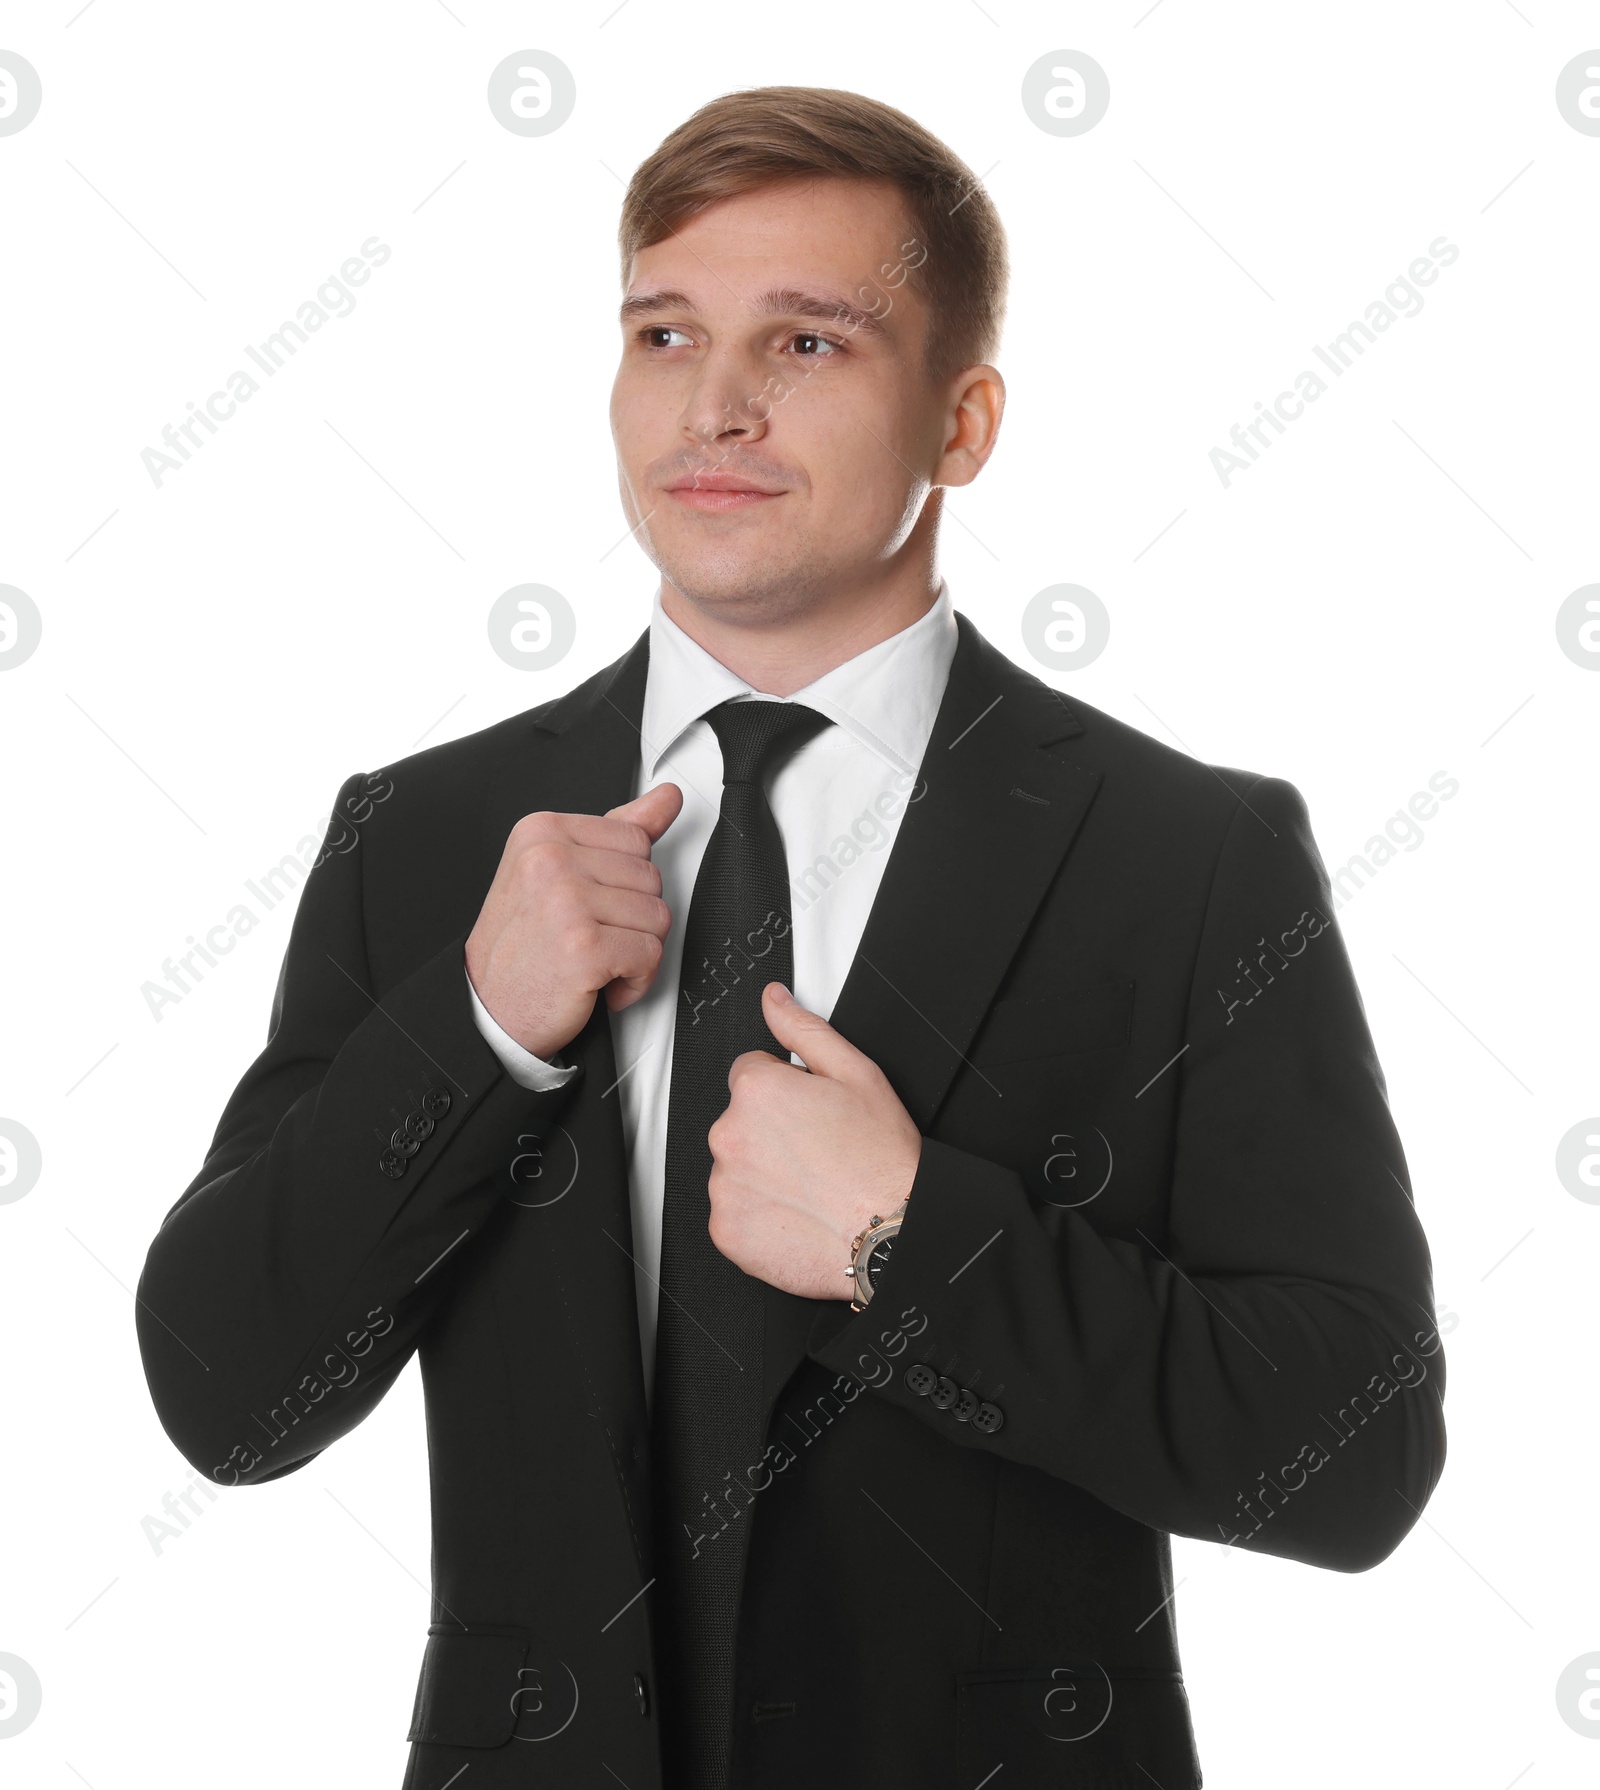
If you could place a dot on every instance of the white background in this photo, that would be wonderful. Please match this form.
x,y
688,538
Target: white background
x,y
1372,603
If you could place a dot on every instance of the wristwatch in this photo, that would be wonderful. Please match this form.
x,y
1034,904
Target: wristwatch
x,y
869,1254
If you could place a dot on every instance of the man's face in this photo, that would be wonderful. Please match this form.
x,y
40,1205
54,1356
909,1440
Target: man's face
x,y
738,371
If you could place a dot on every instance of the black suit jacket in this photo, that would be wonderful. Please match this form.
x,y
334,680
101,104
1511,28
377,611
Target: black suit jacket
x,y
1161,1225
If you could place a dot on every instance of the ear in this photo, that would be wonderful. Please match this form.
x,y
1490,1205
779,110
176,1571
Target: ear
x,y
976,402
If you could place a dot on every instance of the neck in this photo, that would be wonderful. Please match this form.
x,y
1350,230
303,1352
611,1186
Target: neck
x,y
781,653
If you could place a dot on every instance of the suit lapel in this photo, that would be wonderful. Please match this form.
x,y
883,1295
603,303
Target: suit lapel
x,y
581,756
991,818
984,833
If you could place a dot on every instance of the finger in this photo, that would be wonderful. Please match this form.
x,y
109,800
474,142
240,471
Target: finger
x,y
632,828
823,1050
622,991
628,957
655,810
630,910
756,1064
615,869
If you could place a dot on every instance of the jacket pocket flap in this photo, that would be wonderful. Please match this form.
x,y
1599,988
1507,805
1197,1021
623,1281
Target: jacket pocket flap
x,y
1077,1725
1089,1669
468,1692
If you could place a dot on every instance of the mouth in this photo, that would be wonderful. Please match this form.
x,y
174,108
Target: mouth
x,y
715,493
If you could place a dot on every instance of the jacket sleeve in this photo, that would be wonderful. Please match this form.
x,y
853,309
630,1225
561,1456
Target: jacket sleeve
x,y
1262,1368
353,1164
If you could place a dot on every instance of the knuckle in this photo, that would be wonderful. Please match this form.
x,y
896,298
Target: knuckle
x,y
729,1151
540,860
582,939
534,827
563,906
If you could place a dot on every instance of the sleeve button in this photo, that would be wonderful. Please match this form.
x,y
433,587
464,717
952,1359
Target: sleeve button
x,y
966,1407
945,1394
988,1419
436,1102
921,1379
393,1166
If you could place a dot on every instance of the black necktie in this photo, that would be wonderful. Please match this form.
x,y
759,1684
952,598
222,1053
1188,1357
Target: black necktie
x,y
707,1411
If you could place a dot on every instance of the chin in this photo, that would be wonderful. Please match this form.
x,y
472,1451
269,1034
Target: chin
x,y
752,578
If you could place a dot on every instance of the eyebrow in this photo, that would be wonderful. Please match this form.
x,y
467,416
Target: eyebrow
x,y
779,301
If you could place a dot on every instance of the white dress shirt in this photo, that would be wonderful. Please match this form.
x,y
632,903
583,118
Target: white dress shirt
x,y
837,801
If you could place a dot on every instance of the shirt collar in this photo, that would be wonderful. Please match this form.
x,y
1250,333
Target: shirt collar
x,y
886,697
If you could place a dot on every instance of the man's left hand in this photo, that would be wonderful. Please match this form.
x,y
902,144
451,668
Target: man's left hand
x,y
802,1161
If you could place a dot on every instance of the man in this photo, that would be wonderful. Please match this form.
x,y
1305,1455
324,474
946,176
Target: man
x,y
863,1147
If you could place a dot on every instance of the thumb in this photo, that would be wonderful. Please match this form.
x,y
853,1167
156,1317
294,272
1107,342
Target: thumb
x,y
655,810
824,1051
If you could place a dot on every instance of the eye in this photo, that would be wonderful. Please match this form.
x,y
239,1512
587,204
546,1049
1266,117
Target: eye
x,y
660,329
826,345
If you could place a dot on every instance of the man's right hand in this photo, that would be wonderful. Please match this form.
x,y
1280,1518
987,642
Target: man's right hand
x,y
575,907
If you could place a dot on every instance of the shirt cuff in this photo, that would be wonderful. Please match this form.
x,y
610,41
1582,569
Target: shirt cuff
x,y
524,1068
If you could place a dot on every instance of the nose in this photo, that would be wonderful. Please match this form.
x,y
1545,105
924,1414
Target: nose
x,y
729,405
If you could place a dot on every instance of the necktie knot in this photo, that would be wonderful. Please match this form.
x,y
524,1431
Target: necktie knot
x,y
754,736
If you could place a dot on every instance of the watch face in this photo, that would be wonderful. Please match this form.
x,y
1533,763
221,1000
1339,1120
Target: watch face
x,y
878,1261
